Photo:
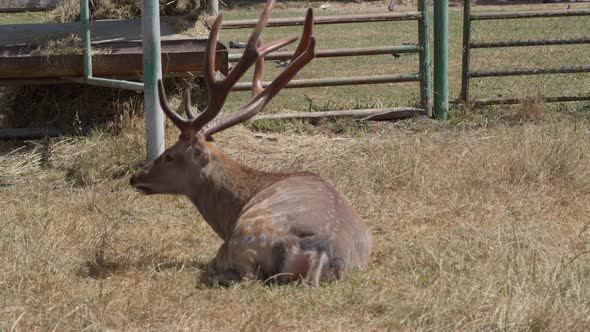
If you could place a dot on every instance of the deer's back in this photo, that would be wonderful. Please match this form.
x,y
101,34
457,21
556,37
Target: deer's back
x,y
306,207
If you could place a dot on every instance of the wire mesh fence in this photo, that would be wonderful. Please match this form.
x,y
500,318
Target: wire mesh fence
x,y
513,55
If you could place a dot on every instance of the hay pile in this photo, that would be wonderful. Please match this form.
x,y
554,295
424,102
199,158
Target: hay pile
x,y
77,108
69,10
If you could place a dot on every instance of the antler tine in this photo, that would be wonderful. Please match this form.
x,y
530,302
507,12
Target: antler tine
x,y
257,79
254,50
305,53
192,124
275,45
258,75
210,50
216,100
251,53
292,69
307,32
181,123
218,91
187,105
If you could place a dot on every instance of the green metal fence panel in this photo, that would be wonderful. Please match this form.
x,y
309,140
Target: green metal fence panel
x,y
512,56
441,59
422,47
87,57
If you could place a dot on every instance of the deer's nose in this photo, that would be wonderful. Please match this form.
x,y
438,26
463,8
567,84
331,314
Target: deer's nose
x,y
135,177
132,180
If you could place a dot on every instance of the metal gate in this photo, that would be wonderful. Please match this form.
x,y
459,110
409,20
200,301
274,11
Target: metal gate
x,y
423,76
509,31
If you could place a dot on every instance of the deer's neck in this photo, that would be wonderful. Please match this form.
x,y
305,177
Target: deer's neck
x,y
223,187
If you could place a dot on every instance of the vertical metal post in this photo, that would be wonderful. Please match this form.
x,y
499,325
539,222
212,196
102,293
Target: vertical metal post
x,y
441,59
152,71
466,51
213,7
87,52
425,61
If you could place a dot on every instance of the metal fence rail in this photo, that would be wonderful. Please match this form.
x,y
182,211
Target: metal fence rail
x,y
320,20
422,48
338,81
341,52
510,35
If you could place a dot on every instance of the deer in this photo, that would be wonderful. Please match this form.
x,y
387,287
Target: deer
x,y
274,226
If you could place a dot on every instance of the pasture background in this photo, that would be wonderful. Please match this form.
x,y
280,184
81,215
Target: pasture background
x,y
479,223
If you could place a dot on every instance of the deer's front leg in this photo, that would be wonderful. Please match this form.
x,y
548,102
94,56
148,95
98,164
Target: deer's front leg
x,y
251,259
221,269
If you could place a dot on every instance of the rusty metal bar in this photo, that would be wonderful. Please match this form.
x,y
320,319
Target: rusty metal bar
x,y
35,81
26,133
530,14
364,114
425,57
539,42
335,19
340,52
512,101
127,63
109,83
337,81
530,71
466,61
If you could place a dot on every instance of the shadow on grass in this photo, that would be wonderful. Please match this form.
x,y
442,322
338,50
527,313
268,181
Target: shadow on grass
x,y
101,268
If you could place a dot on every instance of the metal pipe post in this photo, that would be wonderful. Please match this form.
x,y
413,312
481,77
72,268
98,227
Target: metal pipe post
x,y
213,7
152,71
87,52
441,59
425,60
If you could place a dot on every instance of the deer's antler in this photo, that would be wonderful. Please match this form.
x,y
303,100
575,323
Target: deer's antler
x,y
219,90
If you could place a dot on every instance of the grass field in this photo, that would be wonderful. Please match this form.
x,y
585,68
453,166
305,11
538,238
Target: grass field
x,y
479,223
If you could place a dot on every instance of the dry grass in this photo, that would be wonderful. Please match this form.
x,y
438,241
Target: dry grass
x,y
59,44
479,223
483,229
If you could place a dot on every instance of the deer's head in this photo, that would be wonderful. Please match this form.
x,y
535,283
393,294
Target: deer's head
x,y
195,152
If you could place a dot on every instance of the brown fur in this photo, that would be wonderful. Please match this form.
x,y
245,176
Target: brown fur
x,y
293,225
